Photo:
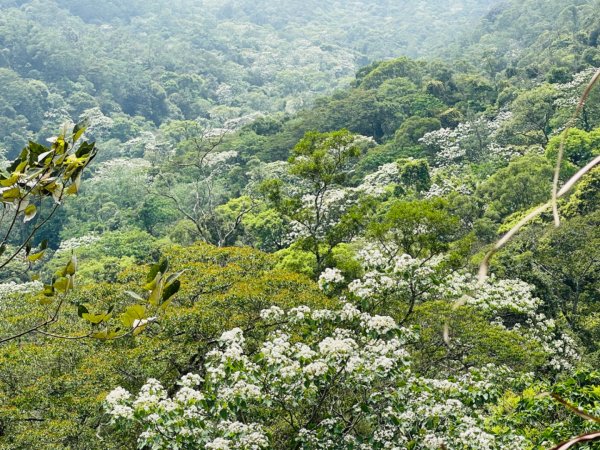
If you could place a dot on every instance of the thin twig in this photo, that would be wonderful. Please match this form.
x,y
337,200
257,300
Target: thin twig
x,y
561,150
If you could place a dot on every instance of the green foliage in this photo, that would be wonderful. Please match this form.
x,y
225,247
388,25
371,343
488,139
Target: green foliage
x,y
420,228
63,382
579,148
323,159
474,343
414,173
414,129
586,196
543,418
526,182
196,125
533,111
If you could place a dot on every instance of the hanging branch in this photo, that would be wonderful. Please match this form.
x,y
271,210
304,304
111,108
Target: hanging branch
x,y
556,193
563,139
588,437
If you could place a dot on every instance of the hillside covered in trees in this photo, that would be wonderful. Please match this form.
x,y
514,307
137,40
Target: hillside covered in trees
x,y
300,224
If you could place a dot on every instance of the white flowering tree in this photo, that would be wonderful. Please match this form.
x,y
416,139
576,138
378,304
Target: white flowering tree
x,y
320,209
319,379
472,141
569,94
191,180
398,284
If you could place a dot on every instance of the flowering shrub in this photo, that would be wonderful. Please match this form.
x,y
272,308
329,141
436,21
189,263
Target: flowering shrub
x,y
321,379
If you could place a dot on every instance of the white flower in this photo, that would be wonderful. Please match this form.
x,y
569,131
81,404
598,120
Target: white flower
x,y
315,369
187,394
190,380
349,312
117,396
380,324
337,347
298,314
219,444
233,336
274,314
141,322
330,277
121,412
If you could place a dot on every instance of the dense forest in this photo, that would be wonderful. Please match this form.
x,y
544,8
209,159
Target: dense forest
x,y
299,224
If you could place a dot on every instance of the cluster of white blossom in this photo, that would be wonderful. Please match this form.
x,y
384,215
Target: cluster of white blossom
x,y
433,407
450,178
570,92
493,296
376,184
149,144
447,142
329,278
12,288
73,243
134,168
506,302
349,367
397,277
469,141
560,347
446,186
213,160
514,300
321,213
98,125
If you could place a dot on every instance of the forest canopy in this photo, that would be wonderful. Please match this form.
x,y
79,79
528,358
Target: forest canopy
x,y
285,225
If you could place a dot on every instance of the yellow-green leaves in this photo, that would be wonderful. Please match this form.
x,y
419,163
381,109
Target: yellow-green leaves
x,y
131,314
30,212
38,255
11,194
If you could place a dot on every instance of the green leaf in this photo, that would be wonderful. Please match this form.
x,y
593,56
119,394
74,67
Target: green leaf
x,y
63,284
11,180
30,213
71,267
131,314
36,256
171,290
164,266
81,310
78,131
156,293
12,194
85,149
174,276
135,296
73,189
161,267
48,290
95,318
